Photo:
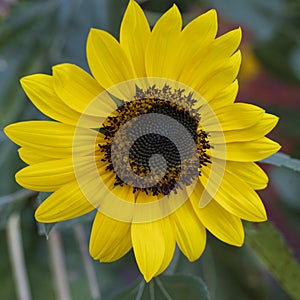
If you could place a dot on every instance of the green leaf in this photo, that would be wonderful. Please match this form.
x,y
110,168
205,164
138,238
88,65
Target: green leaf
x,y
132,292
44,228
283,160
167,287
269,245
179,286
286,183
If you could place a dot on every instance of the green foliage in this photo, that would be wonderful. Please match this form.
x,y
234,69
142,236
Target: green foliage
x,y
283,160
271,248
44,228
286,184
167,287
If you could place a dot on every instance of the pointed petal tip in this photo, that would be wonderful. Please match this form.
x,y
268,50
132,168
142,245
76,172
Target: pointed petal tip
x,y
265,218
29,81
276,119
25,80
57,72
18,177
29,78
240,243
61,67
21,80
8,130
176,10
212,13
92,33
148,277
40,216
275,147
93,30
65,70
173,13
93,253
132,2
240,238
37,215
20,181
238,32
262,187
262,216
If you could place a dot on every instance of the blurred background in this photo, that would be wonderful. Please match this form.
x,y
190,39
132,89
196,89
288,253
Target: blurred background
x,y
35,35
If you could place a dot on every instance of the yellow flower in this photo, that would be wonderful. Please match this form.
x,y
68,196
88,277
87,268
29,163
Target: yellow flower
x,y
153,141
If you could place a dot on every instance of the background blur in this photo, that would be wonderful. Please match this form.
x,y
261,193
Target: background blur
x,y
35,35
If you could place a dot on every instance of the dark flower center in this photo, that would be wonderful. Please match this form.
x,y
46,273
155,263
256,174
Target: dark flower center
x,y
159,147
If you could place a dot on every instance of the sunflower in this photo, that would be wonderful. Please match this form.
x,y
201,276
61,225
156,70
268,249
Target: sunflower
x,y
153,140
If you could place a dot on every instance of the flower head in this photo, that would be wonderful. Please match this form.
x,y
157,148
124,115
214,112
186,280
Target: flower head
x,y
153,140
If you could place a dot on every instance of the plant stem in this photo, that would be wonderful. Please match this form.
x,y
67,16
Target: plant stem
x,y
89,268
15,246
59,268
141,290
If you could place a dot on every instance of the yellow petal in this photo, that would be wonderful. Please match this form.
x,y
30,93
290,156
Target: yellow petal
x,y
78,89
110,239
30,156
192,44
225,45
190,233
259,130
249,151
169,246
225,97
47,176
250,172
31,133
107,59
215,63
201,31
161,51
53,139
225,226
134,36
220,51
119,250
66,203
214,80
113,201
233,117
40,90
151,247
237,197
